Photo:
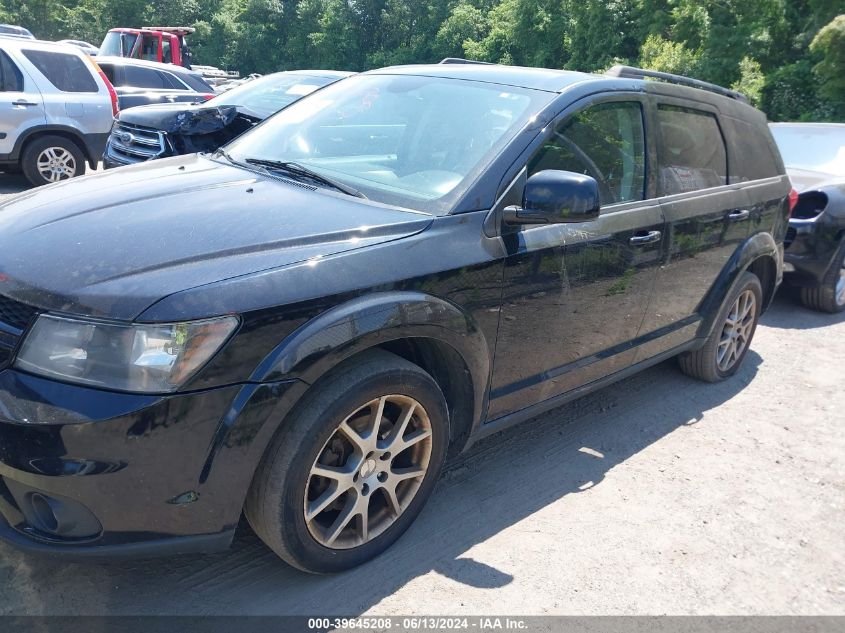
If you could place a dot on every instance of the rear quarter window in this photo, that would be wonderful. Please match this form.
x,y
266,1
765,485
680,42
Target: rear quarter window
x,y
752,151
66,72
691,150
11,78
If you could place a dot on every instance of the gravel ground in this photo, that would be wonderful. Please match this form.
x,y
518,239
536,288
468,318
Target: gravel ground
x,y
658,495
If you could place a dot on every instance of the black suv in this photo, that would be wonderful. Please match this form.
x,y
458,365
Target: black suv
x,y
138,82
302,325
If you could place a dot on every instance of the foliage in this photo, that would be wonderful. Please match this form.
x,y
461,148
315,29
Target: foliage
x,y
829,46
787,55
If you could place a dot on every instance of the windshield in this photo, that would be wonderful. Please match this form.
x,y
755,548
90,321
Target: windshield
x,y
412,141
117,44
267,95
816,148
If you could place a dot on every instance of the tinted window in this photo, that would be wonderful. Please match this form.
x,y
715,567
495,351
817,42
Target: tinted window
x,y
691,153
173,82
195,81
66,72
605,142
11,79
108,71
144,78
752,152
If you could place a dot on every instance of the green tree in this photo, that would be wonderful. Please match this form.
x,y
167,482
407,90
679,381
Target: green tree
x,y
829,46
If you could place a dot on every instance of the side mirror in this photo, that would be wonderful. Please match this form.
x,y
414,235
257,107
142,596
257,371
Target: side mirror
x,y
555,197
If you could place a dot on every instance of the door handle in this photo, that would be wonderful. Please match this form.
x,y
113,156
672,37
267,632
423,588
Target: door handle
x,y
646,238
738,216
21,102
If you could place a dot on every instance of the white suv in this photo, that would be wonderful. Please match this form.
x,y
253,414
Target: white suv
x,y
56,110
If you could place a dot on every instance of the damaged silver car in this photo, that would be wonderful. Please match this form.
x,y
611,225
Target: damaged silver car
x,y
155,131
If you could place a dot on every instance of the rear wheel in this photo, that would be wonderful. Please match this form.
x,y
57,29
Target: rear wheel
x,y
51,159
829,296
727,345
353,467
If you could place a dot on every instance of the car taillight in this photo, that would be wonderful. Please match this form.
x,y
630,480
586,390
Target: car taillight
x,y
793,201
206,97
115,107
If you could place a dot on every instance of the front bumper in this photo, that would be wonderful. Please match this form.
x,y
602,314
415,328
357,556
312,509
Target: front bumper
x,y
103,473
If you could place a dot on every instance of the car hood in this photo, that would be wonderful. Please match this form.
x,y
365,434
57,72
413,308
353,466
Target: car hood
x,y
114,243
181,118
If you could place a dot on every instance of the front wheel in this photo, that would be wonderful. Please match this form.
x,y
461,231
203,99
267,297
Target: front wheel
x,y
728,344
829,296
354,465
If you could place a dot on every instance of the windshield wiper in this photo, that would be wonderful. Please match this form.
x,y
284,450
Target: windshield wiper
x,y
295,169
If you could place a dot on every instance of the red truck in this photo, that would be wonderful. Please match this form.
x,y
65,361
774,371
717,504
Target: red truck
x,y
164,44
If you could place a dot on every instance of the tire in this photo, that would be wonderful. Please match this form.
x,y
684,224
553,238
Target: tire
x,y
728,343
829,296
51,159
289,481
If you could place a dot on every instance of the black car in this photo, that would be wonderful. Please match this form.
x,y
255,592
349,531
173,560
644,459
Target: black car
x,y
301,326
814,154
138,82
156,131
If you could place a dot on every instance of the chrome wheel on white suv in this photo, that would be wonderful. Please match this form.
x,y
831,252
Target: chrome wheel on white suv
x,y
50,159
56,163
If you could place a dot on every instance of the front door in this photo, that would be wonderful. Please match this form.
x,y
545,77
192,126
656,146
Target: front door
x,y
575,294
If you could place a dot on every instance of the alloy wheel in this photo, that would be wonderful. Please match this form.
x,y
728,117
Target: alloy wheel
x,y
737,330
56,163
839,291
368,472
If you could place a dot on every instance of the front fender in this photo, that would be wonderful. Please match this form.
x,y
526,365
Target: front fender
x,y
756,246
328,339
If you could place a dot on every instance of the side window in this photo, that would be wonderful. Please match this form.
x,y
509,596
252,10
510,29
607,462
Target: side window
x,y
173,81
109,72
166,55
691,154
11,78
752,151
66,72
604,141
145,78
149,49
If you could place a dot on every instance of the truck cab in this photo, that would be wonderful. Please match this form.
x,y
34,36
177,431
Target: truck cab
x,y
156,44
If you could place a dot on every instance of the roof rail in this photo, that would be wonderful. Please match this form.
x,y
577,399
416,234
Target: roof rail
x,y
458,60
629,72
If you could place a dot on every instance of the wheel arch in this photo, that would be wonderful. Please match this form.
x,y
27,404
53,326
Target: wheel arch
x,y
424,329
34,133
760,255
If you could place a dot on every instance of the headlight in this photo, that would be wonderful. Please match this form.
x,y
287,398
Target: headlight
x,y
136,357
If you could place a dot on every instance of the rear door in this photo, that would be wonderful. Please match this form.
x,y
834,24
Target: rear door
x,y
707,218
575,294
21,104
73,94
